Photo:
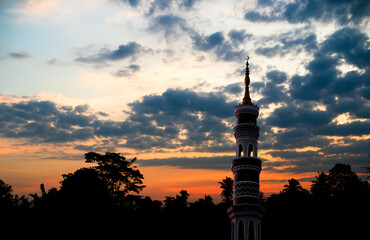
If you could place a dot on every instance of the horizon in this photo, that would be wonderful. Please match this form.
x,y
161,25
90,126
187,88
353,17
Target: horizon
x,y
159,80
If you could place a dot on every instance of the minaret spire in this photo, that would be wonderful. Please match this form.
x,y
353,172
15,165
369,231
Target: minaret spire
x,y
246,213
247,99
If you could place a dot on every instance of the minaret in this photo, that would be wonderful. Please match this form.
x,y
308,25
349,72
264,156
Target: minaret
x,y
246,212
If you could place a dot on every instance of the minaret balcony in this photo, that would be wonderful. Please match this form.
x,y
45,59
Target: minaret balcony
x,y
246,109
246,130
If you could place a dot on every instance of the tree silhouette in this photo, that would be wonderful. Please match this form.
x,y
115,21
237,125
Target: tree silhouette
x,y
8,201
321,187
203,203
121,175
293,186
183,197
85,189
344,181
6,197
335,208
227,186
178,202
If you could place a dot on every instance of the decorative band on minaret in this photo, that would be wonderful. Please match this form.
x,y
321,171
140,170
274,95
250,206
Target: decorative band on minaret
x,y
246,212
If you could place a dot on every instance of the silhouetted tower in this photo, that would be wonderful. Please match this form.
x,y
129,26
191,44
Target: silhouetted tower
x,y
246,212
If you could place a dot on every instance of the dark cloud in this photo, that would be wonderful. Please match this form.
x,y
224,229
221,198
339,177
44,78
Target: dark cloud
x,y
312,161
350,146
295,41
19,55
45,122
177,118
162,5
322,72
272,93
268,51
356,128
300,11
238,36
271,90
131,49
260,17
324,82
298,124
351,45
104,114
276,76
208,42
169,24
187,4
177,101
127,71
160,119
132,3
293,116
235,89
216,43
222,162
56,62
159,5
291,138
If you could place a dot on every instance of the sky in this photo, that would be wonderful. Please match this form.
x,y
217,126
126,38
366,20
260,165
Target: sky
x,y
159,80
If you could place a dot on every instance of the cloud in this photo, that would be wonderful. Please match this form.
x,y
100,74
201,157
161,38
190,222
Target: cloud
x,y
299,11
276,76
222,162
161,119
294,41
187,4
234,88
294,116
132,3
188,121
324,81
19,55
355,128
162,5
56,62
311,161
127,71
208,42
131,49
350,44
309,104
238,36
169,24
174,119
44,121
216,43
159,5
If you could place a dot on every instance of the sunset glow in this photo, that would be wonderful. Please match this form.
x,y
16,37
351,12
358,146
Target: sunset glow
x,y
159,80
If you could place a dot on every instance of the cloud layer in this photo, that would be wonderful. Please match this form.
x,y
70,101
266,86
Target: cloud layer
x,y
314,93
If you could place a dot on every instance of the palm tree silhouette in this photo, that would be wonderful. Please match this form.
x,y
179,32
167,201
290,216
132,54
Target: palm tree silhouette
x,y
321,187
294,190
227,189
293,186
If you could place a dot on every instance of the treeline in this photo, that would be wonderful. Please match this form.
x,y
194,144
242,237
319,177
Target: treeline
x,y
104,200
336,207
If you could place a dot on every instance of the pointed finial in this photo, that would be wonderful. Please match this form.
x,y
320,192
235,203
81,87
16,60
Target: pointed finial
x,y
246,79
247,99
247,66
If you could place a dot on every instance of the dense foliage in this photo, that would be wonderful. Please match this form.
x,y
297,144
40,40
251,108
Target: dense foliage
x,y
99,201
